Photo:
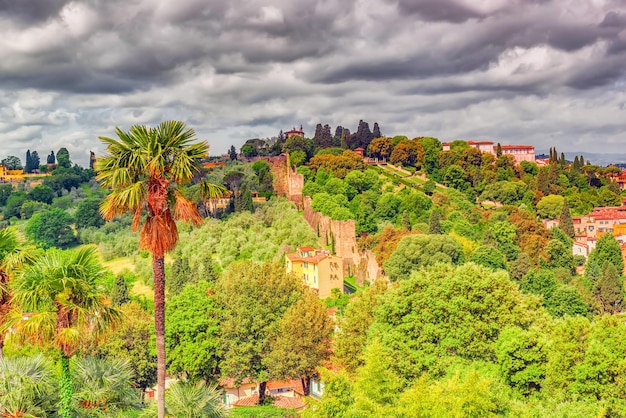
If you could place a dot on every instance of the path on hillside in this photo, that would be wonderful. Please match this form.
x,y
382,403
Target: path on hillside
x,y
415,179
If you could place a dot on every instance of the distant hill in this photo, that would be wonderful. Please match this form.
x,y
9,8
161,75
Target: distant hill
x,y
599,159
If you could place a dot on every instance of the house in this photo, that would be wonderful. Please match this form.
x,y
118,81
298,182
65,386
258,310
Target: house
x,y
318,268
286,394
294,132
519,152
234,391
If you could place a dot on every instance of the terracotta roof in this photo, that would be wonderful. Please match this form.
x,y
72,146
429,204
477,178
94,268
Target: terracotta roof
x,y
276,384
284,402
312,259
229,382
472,143
306,248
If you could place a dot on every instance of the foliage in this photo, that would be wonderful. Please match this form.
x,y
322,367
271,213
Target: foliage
x,y
185,400
445,312
609,289
565,221
488,256
88,214
192,328
42,193
103,387
27,387
550,206
417,251
132,341
51,228
253,298
303,339
119,293
522,357
607,249
12,162
351,338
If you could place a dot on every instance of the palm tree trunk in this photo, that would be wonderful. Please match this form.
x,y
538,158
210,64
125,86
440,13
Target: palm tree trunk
x,y
158,270
65,407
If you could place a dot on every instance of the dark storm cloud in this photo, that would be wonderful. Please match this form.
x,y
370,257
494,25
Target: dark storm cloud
x,y
439,10
70,71
31,11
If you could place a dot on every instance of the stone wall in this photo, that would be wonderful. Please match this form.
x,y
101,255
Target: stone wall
x,y
286,181
361,264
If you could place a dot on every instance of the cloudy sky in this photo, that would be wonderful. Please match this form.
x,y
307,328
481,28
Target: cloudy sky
x,y
539,72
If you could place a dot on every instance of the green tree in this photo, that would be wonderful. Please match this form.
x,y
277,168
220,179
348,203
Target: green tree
x,y
522,357
181,275
566,300
337,398
434,222
253,298
68,307
192,331
88,213
42,194
380,147
425,324
14,205
145,169
540,282
429,187
297,158
303,341
119,293
376,385
133,341
351,337
550,206
488,256
609,289
607,249
63,158
12,162
559,255
520,266
51,229
417,251
566,224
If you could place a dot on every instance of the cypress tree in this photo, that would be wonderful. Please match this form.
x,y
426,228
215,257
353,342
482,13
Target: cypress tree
x,y
28,167
434,223
119,293
232,153
498,150
576,164
34,161
609,289
566,224
562,159
406,222
376,130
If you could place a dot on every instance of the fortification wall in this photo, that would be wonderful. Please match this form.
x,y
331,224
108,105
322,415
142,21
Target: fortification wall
x,y
286,181
361,264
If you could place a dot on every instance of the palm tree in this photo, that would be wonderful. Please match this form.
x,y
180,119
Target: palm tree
x,y
13,254
145,168
104,386
26,387
185,400
66,307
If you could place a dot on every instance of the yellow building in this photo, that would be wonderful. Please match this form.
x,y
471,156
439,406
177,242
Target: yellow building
x,y
319,269
16,176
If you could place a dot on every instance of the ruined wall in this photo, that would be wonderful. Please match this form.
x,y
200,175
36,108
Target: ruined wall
x,y
286,181
361,264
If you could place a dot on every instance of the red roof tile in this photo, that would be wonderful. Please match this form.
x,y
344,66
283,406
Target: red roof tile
x,y
284,402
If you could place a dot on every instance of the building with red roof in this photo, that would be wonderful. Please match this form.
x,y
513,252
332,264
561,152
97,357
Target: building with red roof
x,y
318,268
519,152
